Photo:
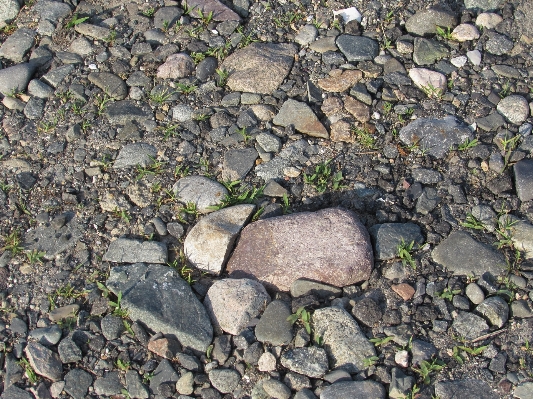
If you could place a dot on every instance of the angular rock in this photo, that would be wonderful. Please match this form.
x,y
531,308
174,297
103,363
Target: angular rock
x,y
44,362
431,82
425,22
273,60
167,16
47,335
360,111
342,131
495,309
15,79
469,326
94,31
219,10
17,45
346,345
237,163
436,136
340,80
163,374
57,75
52,10
108,385
275,168
52,239
301,117
464,255
200,190
357,48
354,389
9,10
134,386
523,390
329,246
210,242
514,108
135,154
122,112
467,388
401,384
159,298
388,236
14,392
521,232
310,361
273,327
367,311
482,5
68,351
231,303
498,44
427,52
176,66
110,83
125,250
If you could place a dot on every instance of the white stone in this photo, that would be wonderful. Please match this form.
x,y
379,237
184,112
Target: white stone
x,y
402,358
460,61
210,242
474,57
267,362
465,32
514,108
349,14
488,20
427,79
204,193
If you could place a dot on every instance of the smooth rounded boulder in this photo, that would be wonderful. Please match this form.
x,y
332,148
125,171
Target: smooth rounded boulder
x,y
330,246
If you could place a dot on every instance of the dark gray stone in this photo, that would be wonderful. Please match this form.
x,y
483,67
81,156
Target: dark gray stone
x,y
166,17
164,373
68,351
357,48
206,68
464,389
237,163
112,327
18,44
421,350
52,10
108,385
523,173
135,154
134,386
47,335
354,389
427,201
491,122
15,79
124,250
110,83
303,287
498,44
174,311
388,236
426,176
494,309
469,326
367,311
425,22
121,112
57,75
427,51
34,108
436,136
463,255
273,327
14,392
44,362
224,380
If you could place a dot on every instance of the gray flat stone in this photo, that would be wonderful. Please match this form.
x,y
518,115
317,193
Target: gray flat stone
x,y
498,44
346,345
9,10
273,60
237,163
94,31
463,255
400,385
57,75
427,52
220,11
134,154
354,389
121,112
52,240
436,136
310,361
274,169
232,303
44,362
14,392
482,5
167,16
147,296
210,242
521,233
524,390
110,83
273,327
427,201
523,172
15,79
357,48
464,389
51,10
17,45
47,335
331,246
425,22
224,380
124,250
469,326
388,236
77,383
134,385
203,192
302,117
68,351
164,373
490,122
108,385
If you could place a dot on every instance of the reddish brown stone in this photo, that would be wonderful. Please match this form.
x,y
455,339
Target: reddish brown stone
x,y
339,81
176,66
360,111
332,106
165,347
219,10
404,290
330,246
341,131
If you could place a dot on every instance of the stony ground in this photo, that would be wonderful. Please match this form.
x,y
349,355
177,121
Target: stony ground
x,y
377,160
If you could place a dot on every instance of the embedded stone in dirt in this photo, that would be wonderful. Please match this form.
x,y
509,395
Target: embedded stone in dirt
x,y
435,136
135,154
158,297
125,250
388,236
357,48
259,67
466,389
425,22
330,246
219,10
339,80
210,241
203,192
464,255
110,83
346,345
231,303
302,117
354,389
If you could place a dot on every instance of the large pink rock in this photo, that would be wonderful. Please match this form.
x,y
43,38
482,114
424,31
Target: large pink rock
x,y
219,10
331,246
176,66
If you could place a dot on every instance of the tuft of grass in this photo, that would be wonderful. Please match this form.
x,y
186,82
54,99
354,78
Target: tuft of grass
x,y
364,137
101,102
160,96
206,18
75,20
197,57
244,135
426,368
467,144
504,232
13,243
122,365
169,131
460,358
35,256
222,77
28,369
444,33
122,214
238,194
370,361
448,294
405,253
303,316
118,310
381,341
149,12
506,89
472,222
180,265
186,88
432,91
